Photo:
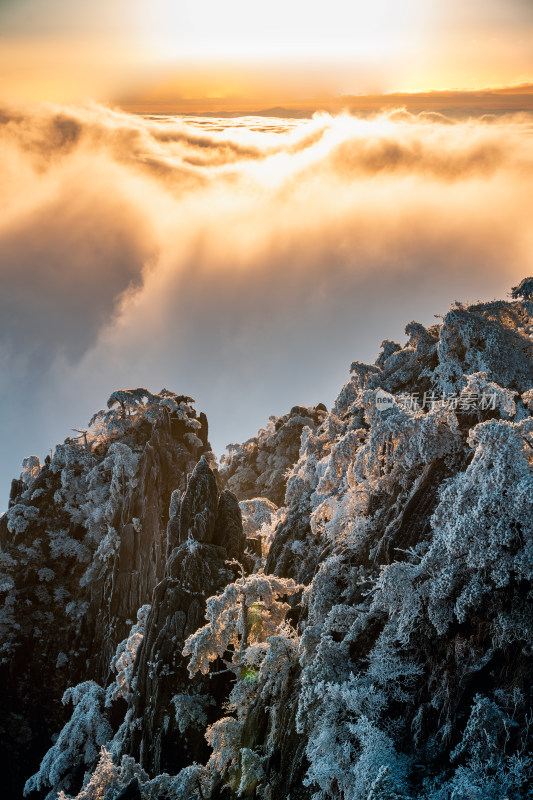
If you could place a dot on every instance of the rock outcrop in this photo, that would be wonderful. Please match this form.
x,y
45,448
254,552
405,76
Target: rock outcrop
x,y
259,467
83,547
210,536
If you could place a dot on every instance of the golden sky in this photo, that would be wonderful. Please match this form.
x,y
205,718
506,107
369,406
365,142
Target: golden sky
x,y
186,54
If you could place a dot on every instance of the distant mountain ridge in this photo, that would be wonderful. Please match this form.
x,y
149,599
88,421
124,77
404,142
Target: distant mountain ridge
x,y
457,103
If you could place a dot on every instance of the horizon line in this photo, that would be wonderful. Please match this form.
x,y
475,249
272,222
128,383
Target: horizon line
x,y
508,98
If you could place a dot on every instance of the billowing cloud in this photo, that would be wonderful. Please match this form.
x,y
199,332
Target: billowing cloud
x,y
243,261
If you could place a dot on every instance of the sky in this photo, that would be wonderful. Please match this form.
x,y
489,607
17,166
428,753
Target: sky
x,y
246,260
144,53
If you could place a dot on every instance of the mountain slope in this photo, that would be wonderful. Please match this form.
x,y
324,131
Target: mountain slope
x,y
368,638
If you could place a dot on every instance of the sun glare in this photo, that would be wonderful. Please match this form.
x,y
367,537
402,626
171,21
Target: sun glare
x,y
239,29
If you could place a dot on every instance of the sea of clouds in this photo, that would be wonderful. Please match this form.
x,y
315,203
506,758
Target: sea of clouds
x,y
244,261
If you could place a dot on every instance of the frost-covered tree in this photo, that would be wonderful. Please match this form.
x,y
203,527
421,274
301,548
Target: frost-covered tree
x,y
484,767
245,613
523,290
483,533
245,623
129,407
102,779
78,743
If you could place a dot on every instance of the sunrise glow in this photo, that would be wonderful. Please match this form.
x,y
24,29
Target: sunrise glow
x,y
169,52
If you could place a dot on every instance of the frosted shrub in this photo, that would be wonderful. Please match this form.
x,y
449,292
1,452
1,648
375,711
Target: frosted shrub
x,y
346,763
20,517
251,771
191,783
191,710
224,737
64,546
482,533
488,770
249,618
484,522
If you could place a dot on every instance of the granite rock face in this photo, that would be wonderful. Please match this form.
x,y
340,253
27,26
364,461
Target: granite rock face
x,y
211,534
259,467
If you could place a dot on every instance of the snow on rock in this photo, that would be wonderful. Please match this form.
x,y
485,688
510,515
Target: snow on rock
x,y
377,648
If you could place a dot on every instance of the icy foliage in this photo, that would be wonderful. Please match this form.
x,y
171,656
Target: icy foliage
x,y
8,620
493,338
108,485
192,783
256,513
524,289
483,533
78,743
104,776
108,781
64,546
224,736
93,491
487,771
268,530
351,764
348,746
246,623
128,407
106,550
125,658
245,612
527,399
191,710
258,468
193,440
31,467
488,395
46,574
367,627
20,517
251,771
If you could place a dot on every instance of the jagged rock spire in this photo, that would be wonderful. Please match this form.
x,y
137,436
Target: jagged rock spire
x,y
198,507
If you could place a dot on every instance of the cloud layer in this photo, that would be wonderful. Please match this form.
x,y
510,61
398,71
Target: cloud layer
x,y
244,261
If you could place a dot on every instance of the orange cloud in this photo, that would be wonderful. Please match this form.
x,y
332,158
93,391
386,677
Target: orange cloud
x,y
245,261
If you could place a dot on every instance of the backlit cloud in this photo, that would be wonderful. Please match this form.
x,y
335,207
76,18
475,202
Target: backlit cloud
x,y
245,262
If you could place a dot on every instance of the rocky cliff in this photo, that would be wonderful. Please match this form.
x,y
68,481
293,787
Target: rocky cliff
x,y
365,634
260,466
83,546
